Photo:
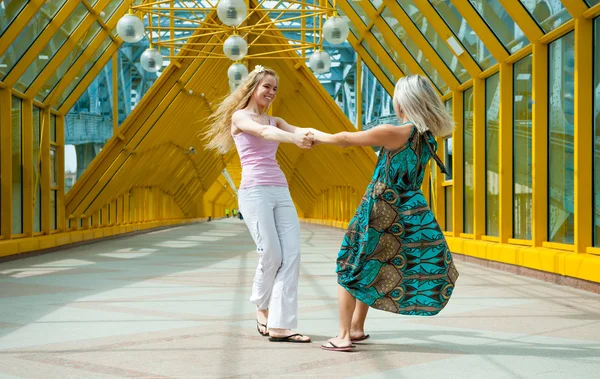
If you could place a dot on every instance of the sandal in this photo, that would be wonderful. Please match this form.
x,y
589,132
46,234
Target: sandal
x,y
337,348
289,339
364,337
258,325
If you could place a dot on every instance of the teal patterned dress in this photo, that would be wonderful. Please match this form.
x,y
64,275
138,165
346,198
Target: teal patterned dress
x,y
394,256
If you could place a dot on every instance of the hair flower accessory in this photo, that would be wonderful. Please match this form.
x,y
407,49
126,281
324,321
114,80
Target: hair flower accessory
x,y
259,68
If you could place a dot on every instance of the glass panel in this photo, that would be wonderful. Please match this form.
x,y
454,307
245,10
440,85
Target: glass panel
x,y
84,70
361,12
53,167
596,161
412,48
377,105
78,47
376,3
52,128
548,16
70,166
591,3
388,49
17,167
28,35
53,195
448,147
51,48
383,67
438,43
522,132
507,31
464,33
560,141
492,198
9,10
468,161
37,210
448,201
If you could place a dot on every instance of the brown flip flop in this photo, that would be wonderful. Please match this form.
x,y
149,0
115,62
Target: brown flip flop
x,y
337,348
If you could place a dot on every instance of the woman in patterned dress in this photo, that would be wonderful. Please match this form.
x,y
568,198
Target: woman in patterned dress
x,y
394,256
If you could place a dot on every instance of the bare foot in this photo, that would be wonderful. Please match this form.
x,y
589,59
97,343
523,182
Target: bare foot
x,y
357,334
280,333
339,342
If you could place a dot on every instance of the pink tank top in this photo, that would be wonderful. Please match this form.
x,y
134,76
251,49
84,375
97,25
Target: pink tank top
x,y
259,165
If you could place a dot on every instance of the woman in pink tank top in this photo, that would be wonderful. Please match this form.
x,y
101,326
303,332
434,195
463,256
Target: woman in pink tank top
x,y
264,198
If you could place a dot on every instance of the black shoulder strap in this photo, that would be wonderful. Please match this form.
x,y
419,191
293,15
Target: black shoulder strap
x,y
434,155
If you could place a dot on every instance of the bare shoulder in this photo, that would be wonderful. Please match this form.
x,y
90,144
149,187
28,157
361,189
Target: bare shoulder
x,y
399,135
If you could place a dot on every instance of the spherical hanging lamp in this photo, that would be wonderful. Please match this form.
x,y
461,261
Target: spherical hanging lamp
x,y
237,72
151,60
130,28
335,30
320,62
231,12
235,48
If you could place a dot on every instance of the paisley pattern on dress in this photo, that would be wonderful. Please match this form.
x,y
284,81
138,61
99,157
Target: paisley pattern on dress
x,y
394,256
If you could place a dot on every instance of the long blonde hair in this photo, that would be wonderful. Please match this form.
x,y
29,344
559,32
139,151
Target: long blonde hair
x,y
415,96
218,136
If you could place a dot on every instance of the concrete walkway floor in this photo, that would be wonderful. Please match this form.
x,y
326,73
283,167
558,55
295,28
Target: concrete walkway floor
x,y
174,304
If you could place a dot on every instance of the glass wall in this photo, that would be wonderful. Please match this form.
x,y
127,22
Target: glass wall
x,y
522,133
560,140
448,147
448,201
53,173
468,161
548,14
37,185
17,167
492,190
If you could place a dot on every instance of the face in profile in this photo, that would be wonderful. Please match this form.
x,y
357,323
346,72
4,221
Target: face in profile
x,y
265,92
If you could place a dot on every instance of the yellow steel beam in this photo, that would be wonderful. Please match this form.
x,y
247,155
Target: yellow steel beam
x,y
521,16
489,39
457,163
584,135
60,175
445,33
40,42
539,159
71,44
10,35
575,7
479,174
415,34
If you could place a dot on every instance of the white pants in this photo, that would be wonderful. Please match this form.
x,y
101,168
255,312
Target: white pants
x,y
273,222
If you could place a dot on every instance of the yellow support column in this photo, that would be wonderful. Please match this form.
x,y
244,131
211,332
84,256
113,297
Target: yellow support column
x,y
505,151
358,93
479,212
115,93
583,141
539,159
457,163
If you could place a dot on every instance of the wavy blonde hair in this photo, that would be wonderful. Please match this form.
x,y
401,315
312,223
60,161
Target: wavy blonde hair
x,y
415,96
218,136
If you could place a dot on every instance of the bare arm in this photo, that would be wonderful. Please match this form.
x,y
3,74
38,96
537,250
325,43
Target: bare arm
x,y
245,123
284,125
388,136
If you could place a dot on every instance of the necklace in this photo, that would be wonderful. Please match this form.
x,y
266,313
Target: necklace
x,y
258,117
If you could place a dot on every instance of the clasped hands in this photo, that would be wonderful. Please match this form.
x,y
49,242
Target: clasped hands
x,y
308,138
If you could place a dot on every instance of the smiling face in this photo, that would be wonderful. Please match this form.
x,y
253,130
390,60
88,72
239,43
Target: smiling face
x,y
265,91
